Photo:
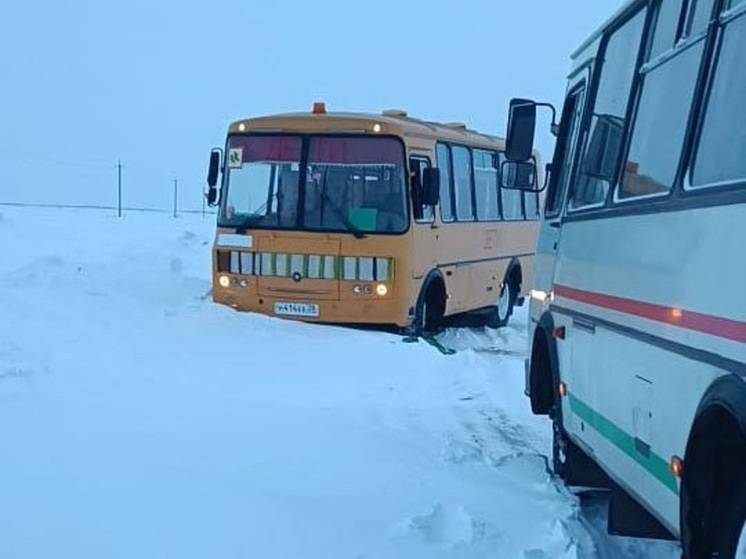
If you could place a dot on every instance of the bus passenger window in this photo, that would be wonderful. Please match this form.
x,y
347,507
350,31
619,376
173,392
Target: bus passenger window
x,y
600,162
660,125
512,204
666,27
722,143
417,165
531,205
444,164
701,14
485,185
462,183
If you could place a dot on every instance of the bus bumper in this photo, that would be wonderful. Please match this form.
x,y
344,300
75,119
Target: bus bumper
x,y
383,311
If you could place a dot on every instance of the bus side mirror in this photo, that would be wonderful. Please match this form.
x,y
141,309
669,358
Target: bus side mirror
x,y
521,130
212,177
519,175
430,186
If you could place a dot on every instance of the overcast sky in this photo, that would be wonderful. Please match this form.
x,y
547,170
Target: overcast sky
x,y
87,82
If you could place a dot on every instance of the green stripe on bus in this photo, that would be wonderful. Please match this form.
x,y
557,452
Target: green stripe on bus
x,y
288,264
652,463
273,264
337,267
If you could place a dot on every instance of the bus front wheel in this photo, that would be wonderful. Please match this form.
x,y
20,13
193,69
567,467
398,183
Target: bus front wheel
x,y
430,309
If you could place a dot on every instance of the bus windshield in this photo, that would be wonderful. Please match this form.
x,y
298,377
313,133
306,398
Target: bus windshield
x,y
350,184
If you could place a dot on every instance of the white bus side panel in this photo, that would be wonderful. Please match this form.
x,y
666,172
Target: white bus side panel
x,y
632,401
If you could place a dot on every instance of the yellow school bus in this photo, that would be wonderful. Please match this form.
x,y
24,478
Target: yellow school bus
x,y
369,219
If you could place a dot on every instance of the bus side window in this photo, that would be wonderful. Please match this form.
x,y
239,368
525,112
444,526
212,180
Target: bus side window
x,y
417,165
446,194
511,203
531,205
485,185
667,26
564,157
600,163
700,16
462,183
661,124
719,158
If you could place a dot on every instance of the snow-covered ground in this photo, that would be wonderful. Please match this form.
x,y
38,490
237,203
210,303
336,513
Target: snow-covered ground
x,y
139,419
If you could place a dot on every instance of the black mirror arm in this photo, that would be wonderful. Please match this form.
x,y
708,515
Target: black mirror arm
x,y
547,176
554,126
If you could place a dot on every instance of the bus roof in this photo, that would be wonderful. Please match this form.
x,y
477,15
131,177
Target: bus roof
x,y
392,122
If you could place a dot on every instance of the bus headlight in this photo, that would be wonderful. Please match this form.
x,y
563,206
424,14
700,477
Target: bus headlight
x,y
382,290
224,281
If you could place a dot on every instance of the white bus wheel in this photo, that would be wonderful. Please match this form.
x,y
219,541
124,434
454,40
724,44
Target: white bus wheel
x,y
503,308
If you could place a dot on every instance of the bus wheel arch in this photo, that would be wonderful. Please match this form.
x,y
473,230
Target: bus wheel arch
x,y
711,503
431,304
543,375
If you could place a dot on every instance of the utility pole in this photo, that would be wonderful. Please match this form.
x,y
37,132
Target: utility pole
x,y
176,194
119,188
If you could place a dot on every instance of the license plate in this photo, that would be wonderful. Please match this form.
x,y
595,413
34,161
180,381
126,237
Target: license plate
x,y
297,309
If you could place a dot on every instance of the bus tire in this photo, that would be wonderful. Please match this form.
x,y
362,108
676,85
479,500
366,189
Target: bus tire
x,y
542,375
430,308
501,312
731,525
713,481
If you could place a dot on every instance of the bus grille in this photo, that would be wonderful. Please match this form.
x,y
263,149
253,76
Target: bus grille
x,y
313,266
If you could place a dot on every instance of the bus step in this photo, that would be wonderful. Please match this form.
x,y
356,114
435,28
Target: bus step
x,y
628,518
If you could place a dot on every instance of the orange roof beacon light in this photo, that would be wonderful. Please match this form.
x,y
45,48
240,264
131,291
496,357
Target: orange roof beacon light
x,y
319,108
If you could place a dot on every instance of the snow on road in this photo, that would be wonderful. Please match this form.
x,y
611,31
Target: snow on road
x,y
139,419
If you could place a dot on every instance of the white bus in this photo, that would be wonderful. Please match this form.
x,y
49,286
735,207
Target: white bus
x,y
638,307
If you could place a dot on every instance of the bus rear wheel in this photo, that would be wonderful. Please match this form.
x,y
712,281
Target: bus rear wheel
x,y
500,314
